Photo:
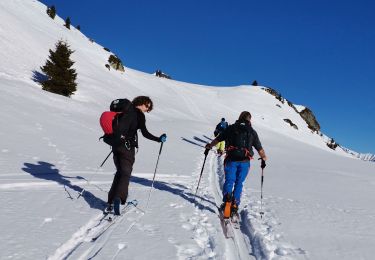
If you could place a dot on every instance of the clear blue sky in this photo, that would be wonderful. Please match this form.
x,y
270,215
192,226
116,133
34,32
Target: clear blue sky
x,y
320,54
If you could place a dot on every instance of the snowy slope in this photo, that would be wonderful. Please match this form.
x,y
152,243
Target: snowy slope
x,y
318,202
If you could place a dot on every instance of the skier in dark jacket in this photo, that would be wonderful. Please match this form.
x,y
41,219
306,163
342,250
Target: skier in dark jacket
x,y
124,149
240,138
220,127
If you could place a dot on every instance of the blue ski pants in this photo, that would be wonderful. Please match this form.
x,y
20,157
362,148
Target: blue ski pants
x,y
235,175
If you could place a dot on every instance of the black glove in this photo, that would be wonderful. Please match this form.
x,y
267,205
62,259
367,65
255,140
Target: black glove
x,y
263,163
163,138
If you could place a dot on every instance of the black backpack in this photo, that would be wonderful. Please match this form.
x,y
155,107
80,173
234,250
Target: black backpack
x,y
109,120
238,142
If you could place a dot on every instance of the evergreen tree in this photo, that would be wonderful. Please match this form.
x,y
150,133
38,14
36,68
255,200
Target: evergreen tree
x,y
255,83
61,77
51,11
67,23
78,27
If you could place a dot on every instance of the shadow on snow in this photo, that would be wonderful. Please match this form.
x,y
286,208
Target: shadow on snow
x,y
47,171
180,192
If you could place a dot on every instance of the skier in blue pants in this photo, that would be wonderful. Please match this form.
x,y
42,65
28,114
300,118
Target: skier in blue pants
x,y
235,175
240,138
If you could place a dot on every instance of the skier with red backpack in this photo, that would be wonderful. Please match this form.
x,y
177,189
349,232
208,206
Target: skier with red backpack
x,y
239,139
125,118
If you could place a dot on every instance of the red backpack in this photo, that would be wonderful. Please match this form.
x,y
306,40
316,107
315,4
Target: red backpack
x,y
108,119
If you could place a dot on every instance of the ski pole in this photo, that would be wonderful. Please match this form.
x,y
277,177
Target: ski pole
x,y
153,179
261,195
200,176
83,190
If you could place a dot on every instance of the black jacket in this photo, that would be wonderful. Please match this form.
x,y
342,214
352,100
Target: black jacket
x,y
253,136
128,125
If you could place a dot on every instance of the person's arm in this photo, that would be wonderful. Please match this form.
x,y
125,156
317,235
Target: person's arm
x,y
219,138
212,144
258,146
262,154
144,131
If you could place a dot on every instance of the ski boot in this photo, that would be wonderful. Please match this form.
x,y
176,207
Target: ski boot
x,y
227,205
234,209
108,209
116,206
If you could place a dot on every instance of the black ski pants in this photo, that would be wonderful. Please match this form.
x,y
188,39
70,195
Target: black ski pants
x,y
124,160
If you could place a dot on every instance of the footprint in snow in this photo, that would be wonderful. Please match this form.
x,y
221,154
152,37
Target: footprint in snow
x,y
176,206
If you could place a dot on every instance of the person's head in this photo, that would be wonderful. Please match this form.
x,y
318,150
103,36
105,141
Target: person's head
x,y
143,103
223,119
245,116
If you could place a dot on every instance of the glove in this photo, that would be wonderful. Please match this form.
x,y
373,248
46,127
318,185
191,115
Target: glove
x,y
263,163
163,138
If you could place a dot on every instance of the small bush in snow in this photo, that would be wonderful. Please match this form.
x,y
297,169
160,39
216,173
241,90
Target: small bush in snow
x,y
67,23
51,11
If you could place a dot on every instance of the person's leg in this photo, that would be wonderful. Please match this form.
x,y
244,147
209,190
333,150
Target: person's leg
x,y
230,178
115,181
124,163
222,146
241,173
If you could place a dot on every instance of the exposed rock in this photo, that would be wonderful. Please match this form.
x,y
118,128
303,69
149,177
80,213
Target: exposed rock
x,y
291,123
115,63
310,119
332,144
274,93
160,74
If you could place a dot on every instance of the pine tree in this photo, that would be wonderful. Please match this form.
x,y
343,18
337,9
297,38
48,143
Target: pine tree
x,y
67,23
61,77
255,83
51,11
78,27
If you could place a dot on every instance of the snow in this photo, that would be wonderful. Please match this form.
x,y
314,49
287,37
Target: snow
x,y
317,202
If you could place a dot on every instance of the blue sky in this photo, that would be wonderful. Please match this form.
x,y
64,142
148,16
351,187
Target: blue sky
x,y
320,54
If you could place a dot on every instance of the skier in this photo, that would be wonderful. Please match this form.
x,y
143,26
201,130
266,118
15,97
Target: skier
x,y
240,138
218,130
124,151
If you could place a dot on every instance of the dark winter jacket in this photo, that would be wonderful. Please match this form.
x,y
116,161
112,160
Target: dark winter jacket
x,y
128,125
228,134
220,127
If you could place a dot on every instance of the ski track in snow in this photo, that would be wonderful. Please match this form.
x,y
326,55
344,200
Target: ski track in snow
x,y
199,223
88,231
256,233
237,247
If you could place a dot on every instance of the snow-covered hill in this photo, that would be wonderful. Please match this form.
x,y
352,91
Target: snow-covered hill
x,y
317,201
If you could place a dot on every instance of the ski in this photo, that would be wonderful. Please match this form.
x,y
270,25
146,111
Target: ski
x,y
112,219
235,220
226,224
